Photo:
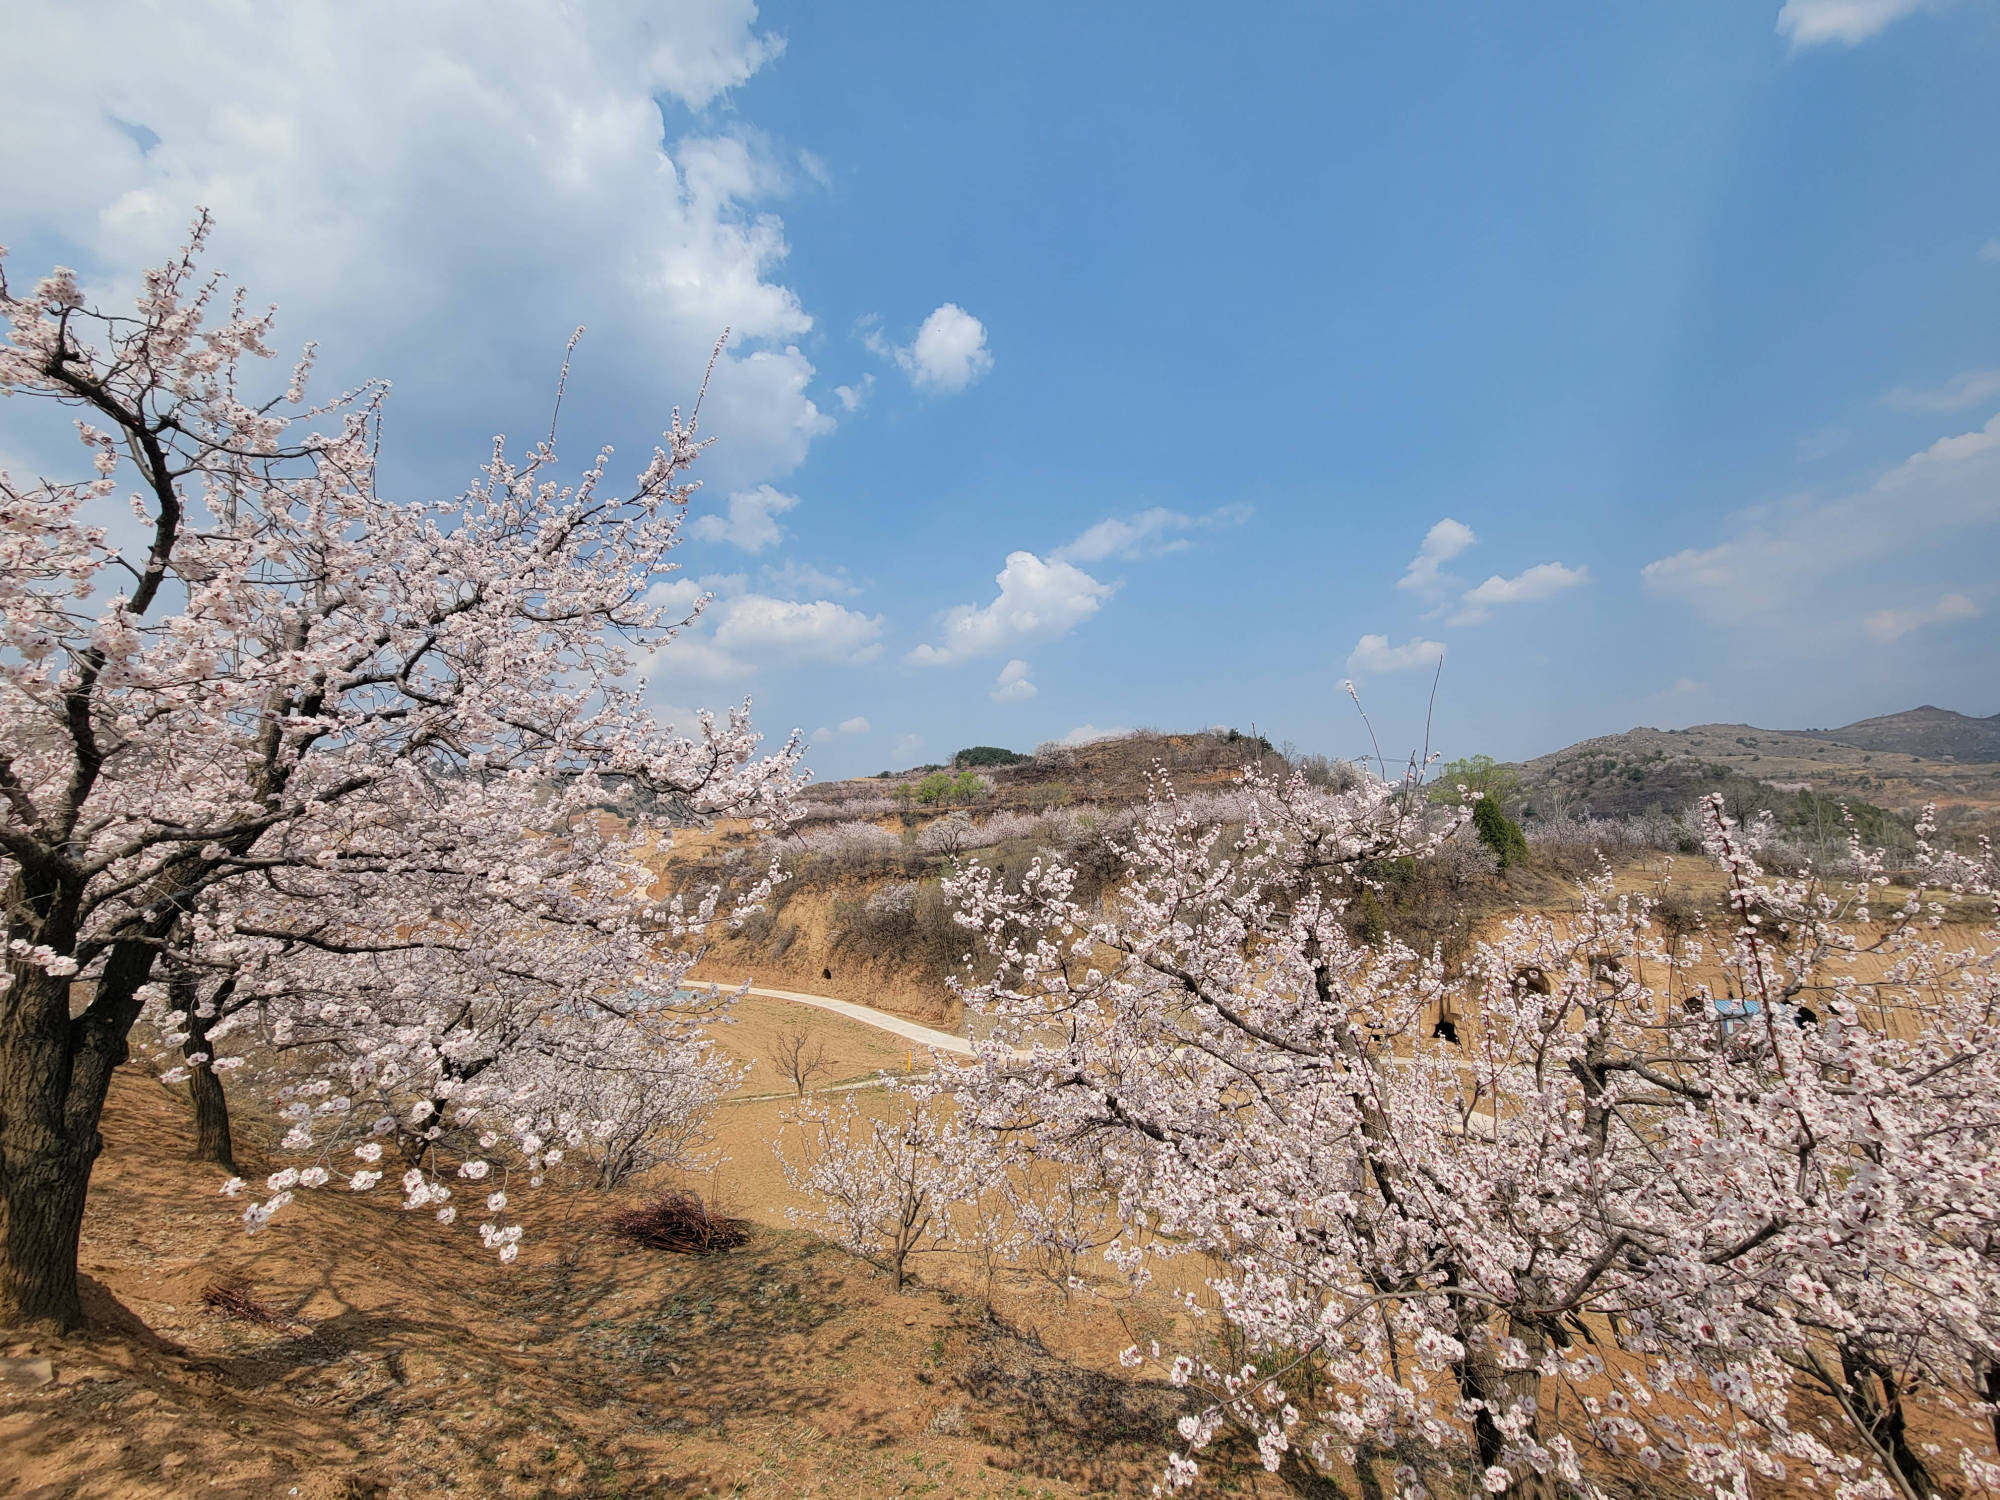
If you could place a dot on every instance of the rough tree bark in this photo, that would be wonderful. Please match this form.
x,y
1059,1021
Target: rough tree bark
x,y
1877,1396
57,1070
212,1140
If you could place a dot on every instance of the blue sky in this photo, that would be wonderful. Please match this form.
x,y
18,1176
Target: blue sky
x,y
1097,367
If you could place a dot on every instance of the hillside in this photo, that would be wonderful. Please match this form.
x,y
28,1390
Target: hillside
x,y
1935,733
1663,770
1107,772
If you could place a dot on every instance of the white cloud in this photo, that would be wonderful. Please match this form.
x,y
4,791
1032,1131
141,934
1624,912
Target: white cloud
x,y
1012,685
1990,251
1543,581
906,746
1442,543
1038,601
1374,654
853,397
948,353
1967,388
1809,23
741,631
804,578
846,727
1149,532
1893,624
760,628
751,522
1777,557
356,156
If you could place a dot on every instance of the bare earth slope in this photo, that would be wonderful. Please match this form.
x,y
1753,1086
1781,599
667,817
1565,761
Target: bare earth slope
x,y
399,1360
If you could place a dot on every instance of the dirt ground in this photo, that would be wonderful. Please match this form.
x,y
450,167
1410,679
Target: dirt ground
x,y
399,1359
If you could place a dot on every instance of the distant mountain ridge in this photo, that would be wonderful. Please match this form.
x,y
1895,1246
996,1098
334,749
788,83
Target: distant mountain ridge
x,y
1934,733
1901,761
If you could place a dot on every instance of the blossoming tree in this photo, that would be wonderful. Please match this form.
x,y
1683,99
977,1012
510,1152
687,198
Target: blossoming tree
x,y
256,689
1590,1196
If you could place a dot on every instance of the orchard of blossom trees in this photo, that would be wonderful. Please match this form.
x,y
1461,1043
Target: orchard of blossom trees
x,y
302,773
1644,1208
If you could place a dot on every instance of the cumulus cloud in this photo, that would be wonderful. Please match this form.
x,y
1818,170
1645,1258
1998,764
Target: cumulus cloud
x,y
739,631
948,353
1443,542
853,397
1038,601
757,627
1012,685
1967,388
1811,23
1893,624
751,522
356,157
1775,557
1147,533
1543,581
906,745
1373,654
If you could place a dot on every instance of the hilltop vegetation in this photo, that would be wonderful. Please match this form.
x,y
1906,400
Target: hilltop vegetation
x,y
1804,776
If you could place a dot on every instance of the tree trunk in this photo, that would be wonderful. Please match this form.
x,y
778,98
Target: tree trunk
x,y
1991,1381
54,1074
1483,1381
45,1156
1878,1402
212,1142
42,1190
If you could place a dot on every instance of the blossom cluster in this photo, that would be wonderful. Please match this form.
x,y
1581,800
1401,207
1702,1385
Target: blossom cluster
x,y
1593,1169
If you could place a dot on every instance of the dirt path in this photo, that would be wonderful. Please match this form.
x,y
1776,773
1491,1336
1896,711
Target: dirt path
x,y
882,1020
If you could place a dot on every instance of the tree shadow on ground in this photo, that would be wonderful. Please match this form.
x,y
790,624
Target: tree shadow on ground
x,y
1065,1422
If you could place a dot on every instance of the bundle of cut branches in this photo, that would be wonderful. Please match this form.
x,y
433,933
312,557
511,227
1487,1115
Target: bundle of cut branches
x,y
680,1222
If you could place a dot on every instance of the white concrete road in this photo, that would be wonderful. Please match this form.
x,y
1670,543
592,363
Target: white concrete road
x,y
881,1020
